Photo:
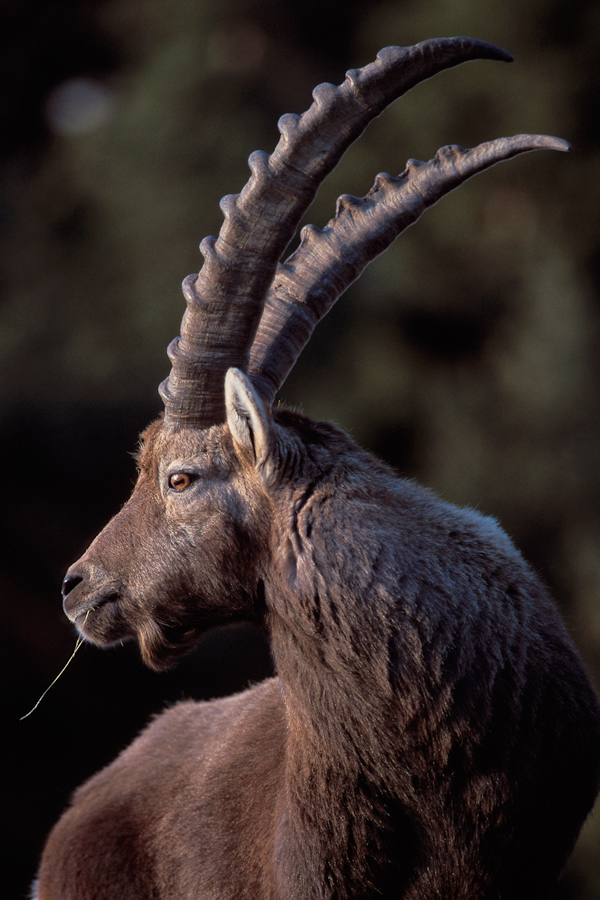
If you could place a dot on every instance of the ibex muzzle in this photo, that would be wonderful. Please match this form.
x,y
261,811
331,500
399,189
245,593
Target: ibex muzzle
x,y
431,731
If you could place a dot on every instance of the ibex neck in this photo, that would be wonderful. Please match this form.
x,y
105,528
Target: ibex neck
x,y
344,811
338,698
329,612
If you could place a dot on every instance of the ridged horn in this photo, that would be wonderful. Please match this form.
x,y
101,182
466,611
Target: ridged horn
x,y
225,301
328,260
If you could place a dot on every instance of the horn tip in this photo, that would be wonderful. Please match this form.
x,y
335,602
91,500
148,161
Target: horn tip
x,y
494,52
541,142
560,144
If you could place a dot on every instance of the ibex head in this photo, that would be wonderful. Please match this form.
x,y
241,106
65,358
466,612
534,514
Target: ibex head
x,y
191,548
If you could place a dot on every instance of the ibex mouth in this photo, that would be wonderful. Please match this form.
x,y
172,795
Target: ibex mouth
x,y
95,602
80,598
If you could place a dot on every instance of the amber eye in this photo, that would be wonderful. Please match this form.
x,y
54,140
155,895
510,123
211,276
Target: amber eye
x,y
179,481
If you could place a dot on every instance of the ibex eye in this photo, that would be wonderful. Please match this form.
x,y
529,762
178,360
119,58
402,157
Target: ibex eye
x,y
180,481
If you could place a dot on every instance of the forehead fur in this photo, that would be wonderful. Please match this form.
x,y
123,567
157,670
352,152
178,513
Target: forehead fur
x,y
159,442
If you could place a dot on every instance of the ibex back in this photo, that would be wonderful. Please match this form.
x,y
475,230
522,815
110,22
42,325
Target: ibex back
x,y
431,732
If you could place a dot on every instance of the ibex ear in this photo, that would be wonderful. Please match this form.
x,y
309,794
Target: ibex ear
x,y
247,416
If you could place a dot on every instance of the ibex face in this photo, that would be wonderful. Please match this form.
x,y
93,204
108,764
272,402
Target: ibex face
x,y
186,550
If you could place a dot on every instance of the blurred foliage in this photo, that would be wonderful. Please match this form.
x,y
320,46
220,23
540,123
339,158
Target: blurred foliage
x,y
467,355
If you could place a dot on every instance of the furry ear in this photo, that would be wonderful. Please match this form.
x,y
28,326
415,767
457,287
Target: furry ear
x,y
247,417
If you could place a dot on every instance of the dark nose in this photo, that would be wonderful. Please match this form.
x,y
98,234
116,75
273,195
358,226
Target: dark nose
x,y
71,581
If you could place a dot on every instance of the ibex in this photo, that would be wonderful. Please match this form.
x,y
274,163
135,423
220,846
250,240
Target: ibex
x,y
431,732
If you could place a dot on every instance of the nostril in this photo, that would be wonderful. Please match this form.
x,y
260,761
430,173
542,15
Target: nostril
x,y
70,582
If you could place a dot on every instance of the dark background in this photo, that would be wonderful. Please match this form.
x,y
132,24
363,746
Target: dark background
x,y
467,355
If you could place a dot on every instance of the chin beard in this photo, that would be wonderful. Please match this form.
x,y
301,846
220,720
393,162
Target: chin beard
x,y
161,646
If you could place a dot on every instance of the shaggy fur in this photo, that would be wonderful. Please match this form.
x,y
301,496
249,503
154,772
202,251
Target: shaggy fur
x,y
431,731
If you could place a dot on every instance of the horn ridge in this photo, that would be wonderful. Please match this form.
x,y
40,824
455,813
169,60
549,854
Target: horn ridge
x,y
328,260
225,301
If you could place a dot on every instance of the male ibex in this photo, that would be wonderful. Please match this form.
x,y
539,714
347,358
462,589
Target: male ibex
x,y
431,732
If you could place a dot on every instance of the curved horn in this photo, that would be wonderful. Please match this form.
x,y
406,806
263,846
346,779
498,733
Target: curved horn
x,y
328,260
225,301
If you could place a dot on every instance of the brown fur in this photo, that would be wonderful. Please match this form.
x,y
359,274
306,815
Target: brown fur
x,y
431,732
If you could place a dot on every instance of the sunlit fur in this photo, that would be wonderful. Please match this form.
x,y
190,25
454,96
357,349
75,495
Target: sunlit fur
x,y
431,732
